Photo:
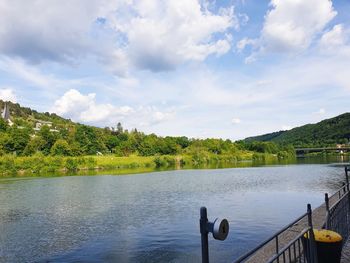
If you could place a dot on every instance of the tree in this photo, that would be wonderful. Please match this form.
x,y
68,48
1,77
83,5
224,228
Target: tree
x,y
89,140
112,142
35,145
3,125
17,140
49,138
61,148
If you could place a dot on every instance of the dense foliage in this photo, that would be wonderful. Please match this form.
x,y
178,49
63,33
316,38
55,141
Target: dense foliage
x,y
66,138
325,133
48,141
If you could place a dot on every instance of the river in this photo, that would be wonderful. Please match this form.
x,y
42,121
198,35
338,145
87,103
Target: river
x,y
154,217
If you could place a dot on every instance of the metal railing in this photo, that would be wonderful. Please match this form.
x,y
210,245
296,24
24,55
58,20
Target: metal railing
x,y
302,248
294,250
338,214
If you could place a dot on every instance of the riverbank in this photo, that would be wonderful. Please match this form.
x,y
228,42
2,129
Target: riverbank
x,y
39,165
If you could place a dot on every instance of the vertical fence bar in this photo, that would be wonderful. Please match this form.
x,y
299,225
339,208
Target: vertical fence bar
x,y
326,199
347,178
204,234
313,255
278,259
347,213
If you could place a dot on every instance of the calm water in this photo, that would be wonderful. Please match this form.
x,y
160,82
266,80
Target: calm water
x,y
153,217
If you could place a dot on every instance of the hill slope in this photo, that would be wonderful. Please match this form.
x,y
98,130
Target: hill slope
x,y
327,132
18,113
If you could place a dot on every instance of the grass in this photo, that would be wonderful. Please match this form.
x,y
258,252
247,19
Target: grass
x,y
40,165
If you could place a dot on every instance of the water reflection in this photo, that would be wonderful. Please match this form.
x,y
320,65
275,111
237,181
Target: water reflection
x,y
153,217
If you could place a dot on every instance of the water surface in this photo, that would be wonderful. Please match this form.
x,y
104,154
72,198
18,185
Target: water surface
x,y
153,217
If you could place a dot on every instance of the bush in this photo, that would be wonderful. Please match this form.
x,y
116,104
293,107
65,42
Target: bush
x,y
71,164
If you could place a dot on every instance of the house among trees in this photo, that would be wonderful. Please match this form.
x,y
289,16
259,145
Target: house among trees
x,y
41,123
5,114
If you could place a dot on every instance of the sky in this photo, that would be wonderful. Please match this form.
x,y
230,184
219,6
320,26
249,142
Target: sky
x,y
202,69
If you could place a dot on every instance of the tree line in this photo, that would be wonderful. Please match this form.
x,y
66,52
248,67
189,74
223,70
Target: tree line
x,y
79,140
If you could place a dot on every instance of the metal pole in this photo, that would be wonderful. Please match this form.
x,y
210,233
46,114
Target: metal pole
x,y
204,235
313,255
348,193
326,199
347,178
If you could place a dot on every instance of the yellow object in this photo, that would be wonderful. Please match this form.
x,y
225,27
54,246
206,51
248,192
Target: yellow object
x,y
325,236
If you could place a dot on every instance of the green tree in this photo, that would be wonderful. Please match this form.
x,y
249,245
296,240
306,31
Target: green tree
x,y
61,148
49,138
89,140
3,125
35,145
112,141
17,140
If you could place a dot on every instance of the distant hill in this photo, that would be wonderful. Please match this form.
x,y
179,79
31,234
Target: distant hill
x,y
325,133
19,113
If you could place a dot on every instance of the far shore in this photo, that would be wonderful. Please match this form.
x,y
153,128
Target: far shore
x,y
39,165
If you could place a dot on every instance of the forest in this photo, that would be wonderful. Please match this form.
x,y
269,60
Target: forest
x,y
70,145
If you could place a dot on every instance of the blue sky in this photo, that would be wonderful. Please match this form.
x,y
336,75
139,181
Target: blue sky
x,y
228,69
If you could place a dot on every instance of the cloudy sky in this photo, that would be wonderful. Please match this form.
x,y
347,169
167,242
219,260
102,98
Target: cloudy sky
x,y
228,69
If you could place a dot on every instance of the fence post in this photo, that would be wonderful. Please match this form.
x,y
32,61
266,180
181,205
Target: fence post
x,y
326,199
348,193
312,254
203,222
347,178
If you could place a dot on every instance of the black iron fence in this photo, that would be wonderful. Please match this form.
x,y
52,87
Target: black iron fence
x,y
302,247
338,213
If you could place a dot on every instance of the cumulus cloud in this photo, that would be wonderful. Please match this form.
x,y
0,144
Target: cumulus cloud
x,y
7,94
290,26
153,34
83,108
336,41
40,30
163,34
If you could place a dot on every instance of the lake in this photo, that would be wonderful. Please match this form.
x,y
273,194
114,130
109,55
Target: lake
x,y
154,217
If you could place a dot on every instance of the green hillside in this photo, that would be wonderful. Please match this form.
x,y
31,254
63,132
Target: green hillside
x,y
325,133
33,142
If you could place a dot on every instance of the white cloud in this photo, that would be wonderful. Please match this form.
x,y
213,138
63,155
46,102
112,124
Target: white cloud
x,y
164,34
236,121
334,37
336,41
29,73
7,94
83,108
290,26
40,30
286,127
153,34
243,43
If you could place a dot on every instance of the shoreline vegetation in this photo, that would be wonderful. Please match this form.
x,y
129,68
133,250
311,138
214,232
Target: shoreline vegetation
x,y
41,144
39,165
38,144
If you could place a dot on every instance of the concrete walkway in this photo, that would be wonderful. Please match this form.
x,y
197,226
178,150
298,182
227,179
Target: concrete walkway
x,y
345,256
